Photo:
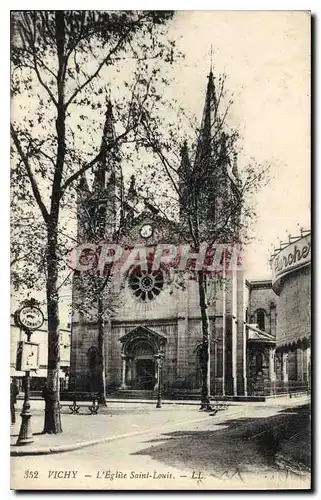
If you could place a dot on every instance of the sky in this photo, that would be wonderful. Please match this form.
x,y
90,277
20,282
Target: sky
x,y
266,57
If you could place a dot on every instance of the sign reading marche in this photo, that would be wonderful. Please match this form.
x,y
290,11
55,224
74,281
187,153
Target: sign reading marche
x,y
295,255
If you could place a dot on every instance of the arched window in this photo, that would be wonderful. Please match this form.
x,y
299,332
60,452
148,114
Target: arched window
x,y
260,318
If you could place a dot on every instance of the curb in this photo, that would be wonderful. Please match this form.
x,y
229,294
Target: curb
x,y
75,446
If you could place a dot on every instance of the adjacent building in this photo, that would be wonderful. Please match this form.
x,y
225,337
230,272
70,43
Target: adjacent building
x,y
291,267
261,321
40,336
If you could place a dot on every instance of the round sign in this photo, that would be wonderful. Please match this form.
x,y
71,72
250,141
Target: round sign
x,y
30,318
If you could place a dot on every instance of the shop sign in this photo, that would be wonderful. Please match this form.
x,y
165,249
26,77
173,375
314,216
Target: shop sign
x,y
295,255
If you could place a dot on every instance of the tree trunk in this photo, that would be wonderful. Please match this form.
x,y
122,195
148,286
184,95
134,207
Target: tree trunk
x,y
205,351
52,424
101,354
52,410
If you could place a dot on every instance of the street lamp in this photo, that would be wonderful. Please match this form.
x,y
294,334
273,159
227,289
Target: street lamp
x,y
159,360
25,434
28,319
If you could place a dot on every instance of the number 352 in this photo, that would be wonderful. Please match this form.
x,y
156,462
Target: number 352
x,y
31,474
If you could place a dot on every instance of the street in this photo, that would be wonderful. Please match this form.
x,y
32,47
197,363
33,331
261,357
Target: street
x,y
240,447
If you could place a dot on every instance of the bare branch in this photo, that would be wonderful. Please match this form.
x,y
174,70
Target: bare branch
x,y
96,73
97,158
17,258
64,281
34,54
32,179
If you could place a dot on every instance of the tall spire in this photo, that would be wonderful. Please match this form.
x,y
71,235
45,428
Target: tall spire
x,y
107,137
209,121
109,126
185,166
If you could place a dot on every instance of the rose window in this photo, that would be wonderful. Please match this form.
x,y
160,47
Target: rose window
x,y
146,285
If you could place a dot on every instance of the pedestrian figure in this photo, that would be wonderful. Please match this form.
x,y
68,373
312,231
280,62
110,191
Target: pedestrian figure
x,y
14,391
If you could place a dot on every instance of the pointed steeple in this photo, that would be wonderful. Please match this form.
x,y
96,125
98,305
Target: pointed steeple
x,y
209,121
132,193
108,136
185,167
109,126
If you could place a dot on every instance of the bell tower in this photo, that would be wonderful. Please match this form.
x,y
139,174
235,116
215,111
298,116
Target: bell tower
x,y
100,209
99,215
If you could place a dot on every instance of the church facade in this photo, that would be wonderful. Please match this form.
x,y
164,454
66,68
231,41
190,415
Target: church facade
x,y
151,328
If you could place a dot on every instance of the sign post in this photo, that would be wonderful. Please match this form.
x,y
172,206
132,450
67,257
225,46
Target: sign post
x,y
28,318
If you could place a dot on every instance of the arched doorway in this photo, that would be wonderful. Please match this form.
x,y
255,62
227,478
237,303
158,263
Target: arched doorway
x,y
141,349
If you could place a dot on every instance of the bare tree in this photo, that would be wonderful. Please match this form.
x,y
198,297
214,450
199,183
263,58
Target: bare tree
x,y
214,200
63,62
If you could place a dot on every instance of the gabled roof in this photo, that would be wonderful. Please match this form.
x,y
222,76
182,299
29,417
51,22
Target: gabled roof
x,y
142,331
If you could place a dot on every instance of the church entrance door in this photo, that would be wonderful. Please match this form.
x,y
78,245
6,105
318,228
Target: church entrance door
x,y
141,351
145,374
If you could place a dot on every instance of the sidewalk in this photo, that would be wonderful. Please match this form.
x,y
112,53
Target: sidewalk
x,y
119,420
116,421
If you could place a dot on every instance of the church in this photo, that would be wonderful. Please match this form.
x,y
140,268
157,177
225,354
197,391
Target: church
x,y
148,326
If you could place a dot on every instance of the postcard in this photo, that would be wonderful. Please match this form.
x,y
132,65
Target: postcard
x,y
160,250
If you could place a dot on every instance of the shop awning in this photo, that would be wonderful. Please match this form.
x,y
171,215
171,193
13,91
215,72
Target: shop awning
x,y
257,335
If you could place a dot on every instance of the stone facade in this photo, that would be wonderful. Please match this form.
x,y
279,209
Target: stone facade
x,y
169,324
